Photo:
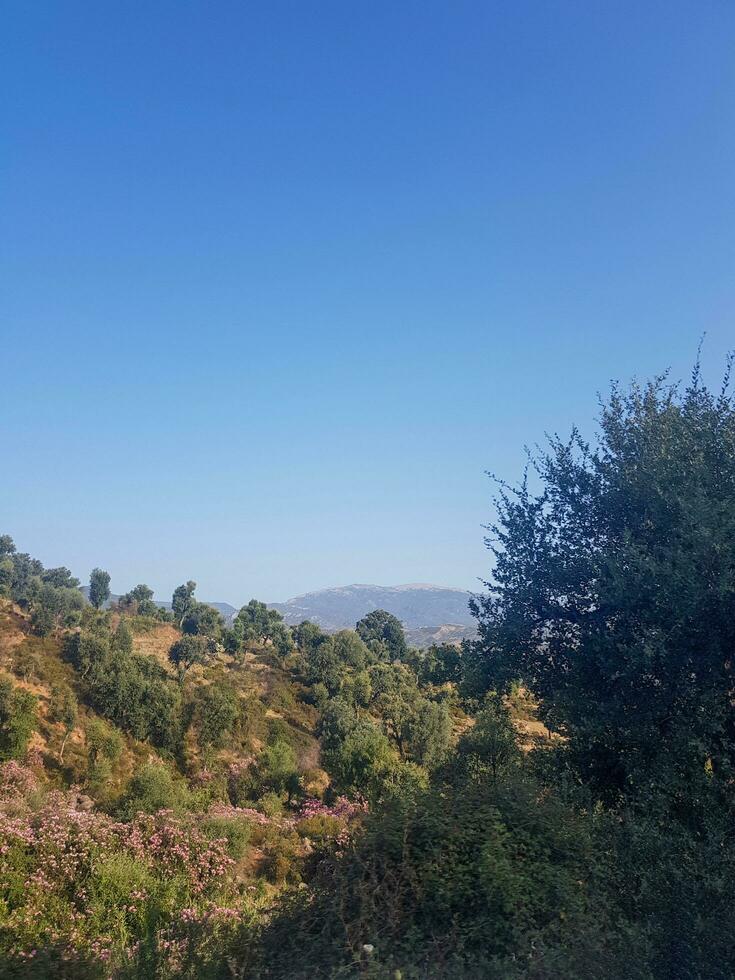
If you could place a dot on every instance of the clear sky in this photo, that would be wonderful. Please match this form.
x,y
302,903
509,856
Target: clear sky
x,y
280,281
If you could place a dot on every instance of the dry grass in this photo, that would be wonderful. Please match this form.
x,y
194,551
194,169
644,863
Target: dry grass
x,y
156,642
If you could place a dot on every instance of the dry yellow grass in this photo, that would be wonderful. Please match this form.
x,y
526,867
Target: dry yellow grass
x,y
156,642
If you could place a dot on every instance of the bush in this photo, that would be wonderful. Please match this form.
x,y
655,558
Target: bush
x,y
18,719
154,788
236,831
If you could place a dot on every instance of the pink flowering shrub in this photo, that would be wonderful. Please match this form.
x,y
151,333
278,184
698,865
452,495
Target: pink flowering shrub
x,y
74,879
156,895
341,809
321,822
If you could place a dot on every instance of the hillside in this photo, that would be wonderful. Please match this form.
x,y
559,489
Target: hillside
x,y
417,606
170,787
426,636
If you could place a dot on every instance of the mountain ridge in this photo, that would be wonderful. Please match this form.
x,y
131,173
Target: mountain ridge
x,y
417,605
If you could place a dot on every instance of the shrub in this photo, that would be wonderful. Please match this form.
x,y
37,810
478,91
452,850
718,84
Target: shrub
x,y
18,719
153,788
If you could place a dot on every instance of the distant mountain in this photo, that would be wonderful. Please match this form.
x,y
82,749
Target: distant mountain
x,y
417,606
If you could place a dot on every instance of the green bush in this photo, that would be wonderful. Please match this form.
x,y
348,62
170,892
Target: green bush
x,y
18,719
154,787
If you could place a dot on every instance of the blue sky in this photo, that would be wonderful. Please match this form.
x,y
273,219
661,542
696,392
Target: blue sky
x,y
280,281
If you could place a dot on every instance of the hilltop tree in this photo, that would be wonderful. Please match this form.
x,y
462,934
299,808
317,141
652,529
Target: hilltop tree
x,y
307,636
99,587
203,620
257,623
183,601
60,578
140,600
25,578
53,607
613,592
7,546
7,550
383,634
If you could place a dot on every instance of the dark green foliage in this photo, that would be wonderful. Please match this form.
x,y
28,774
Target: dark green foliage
x,y
99,587
429,733
383,634
255,623
7,546
613,592
60,578
440,664
308,636
139,601
355,752
187,651
154,787
203,620
217,710
23,577
330,660
18,719
87,651
133,691
324,667
490,748
350,650
470,879
54,606
183,601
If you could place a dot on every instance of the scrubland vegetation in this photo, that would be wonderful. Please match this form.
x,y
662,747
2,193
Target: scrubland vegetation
x,y
185,797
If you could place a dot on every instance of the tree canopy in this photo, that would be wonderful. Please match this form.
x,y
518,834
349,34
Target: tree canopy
x,y
99,587
383,633
613,590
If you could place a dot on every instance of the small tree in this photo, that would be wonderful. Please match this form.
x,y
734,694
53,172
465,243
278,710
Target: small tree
x,y
121,644
258,624
218,709
203,620
186,652
429,733
154,787
18,719
183,601
383,634
104,748
277,769
307,636
63,709
99,587
140,601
